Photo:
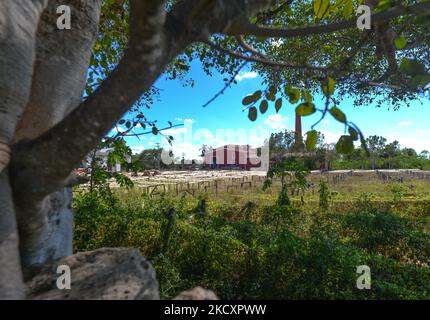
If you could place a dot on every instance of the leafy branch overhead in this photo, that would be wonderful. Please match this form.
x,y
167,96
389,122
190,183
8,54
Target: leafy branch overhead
x,y
296,43
118,49
320,62
389,62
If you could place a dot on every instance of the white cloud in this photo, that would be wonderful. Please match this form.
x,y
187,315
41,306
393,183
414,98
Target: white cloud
x,y
175,131
118,130
189,150
330,137
417,139
184,120
405,123
246,75
137,149
276,121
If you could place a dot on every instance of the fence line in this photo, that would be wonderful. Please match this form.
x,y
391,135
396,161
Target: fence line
x,y
255,182
230,184
399,176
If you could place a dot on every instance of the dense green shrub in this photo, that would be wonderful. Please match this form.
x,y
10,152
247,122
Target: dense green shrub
x,y
249,251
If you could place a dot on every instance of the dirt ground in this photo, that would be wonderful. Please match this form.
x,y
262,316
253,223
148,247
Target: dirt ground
x,y
195,176
209,175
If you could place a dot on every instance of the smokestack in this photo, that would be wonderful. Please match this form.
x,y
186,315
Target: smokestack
x,y
298,143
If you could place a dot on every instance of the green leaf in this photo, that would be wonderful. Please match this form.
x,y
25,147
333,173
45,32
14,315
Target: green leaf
x,y
305,109
321,8
331,84
252,113
423,20
306,96
273,90
257,95
345,145
400,43
248,100
353,133
293,94
412,67
311,140
337,114
347,9
419,80
270,96
264,105
251,98
385,4
278,104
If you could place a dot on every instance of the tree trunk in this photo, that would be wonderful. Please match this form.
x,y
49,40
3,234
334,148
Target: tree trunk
x,y
11,282
18,25
52,240
61,64
42,76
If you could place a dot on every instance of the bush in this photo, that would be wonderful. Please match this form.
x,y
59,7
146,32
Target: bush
x,y
253,251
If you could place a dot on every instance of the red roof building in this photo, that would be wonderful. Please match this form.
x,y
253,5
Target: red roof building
x,y
232,156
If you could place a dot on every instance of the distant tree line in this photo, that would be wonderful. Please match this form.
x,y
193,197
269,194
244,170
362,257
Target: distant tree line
x,y
150,159
382,154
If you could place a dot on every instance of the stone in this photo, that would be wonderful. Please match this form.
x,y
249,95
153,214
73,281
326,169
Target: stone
x,y
103,274
198,293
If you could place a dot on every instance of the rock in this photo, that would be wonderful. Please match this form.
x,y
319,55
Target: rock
x,y
198,293
103,274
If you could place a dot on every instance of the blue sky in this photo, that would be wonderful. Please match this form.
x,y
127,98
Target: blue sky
x,y
223,121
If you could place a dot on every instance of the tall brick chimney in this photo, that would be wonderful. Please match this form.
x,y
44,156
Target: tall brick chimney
x,y
298,142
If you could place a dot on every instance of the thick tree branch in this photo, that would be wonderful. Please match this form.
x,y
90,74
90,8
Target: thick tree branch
x,y
270,32
383,85
264,16
201,18
261,60
249,48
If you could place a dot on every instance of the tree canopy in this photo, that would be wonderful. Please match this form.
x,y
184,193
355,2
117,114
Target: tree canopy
x,y
300,48
117,49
